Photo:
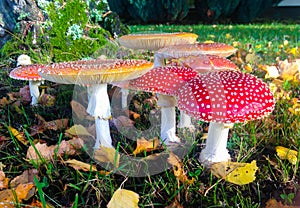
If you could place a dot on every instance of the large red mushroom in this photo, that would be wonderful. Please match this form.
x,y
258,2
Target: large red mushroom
x,y
223,98
96,74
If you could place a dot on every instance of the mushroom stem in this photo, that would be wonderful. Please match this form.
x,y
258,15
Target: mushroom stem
x,y
185,121
34,91
99,107
124,96
168,118
216,143
158,60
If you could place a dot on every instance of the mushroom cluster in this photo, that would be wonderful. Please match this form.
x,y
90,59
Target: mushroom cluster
x,y
198,79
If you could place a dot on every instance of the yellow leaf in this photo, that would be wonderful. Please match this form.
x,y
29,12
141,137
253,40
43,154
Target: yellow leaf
x,y
234,172
19,136
145,145
78,165
123,198
107,155
272,71
78,130
287,154
178,170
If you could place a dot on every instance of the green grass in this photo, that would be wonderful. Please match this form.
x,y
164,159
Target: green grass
x,y
62,186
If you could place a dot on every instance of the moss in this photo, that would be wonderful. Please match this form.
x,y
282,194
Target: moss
x,y
73,30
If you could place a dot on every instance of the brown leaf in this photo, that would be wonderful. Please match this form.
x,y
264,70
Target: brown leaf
x,y
58,124
80,111
24,92
122,121
145,145
178,169
78,165
46,99
78,130
26,177
175,204
4,102
70,147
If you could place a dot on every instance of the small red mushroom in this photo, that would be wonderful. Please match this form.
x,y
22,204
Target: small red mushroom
x,y
164,80
29,73
223,98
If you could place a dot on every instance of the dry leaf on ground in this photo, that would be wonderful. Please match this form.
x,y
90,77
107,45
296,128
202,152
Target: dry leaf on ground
x,y
107,155
26,177
21,192
70,147
78,165
235,172
178,169
287,154
18,135
123,198
3,180
146,145
77,130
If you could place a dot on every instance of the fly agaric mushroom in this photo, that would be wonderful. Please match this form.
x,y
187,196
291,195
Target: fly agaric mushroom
x,y
153,42
164,80
29,73
223,98
177,51
96,74
203,62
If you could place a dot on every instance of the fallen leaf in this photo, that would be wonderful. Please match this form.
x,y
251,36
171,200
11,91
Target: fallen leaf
x,y
24,92
25,191
122,121
145,145
78,165
4,102
123,198
289,70
287,154
58,124
175,204
46,100
18,135
80,111
272,71
26,177
107,155
78,130
42,151
178,169
21,192
3,180
235,172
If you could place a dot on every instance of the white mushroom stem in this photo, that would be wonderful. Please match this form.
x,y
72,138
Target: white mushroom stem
x,y
158,60
124,96
34,91
99,107
185,121
216,144
168,118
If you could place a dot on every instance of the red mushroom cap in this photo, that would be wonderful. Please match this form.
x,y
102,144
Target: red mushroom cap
x,y
205,63
27,72
226,97
163,80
